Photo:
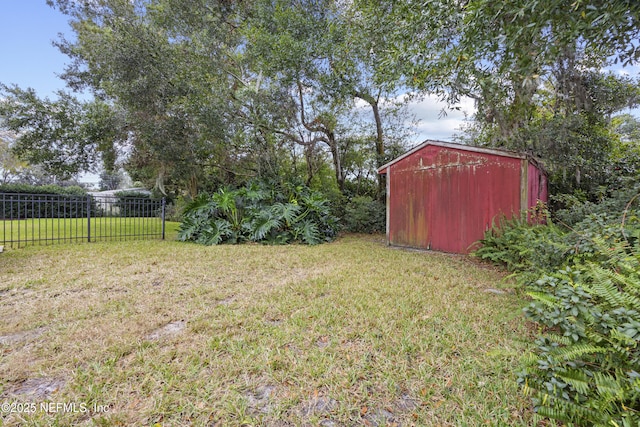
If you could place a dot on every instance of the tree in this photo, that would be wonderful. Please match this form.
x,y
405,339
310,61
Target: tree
x,y
625,156
479,46
286,46
10,164
495,52
63,136
322,53
573,130
113,180
527,64
204,93
165,66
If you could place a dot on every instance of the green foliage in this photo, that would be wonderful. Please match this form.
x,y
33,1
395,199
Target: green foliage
x,y
259,213
43,189
61,202
10,164
364,215
134,204
587,371
523,247
584,280
612,202
572,128
207,94
531,66
64,136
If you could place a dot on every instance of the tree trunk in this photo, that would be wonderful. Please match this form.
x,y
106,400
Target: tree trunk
x,y
326,128
308,154
379,149
193,185
374,103
337,165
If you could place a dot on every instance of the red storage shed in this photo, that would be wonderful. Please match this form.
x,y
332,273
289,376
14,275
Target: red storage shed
x,y
444,196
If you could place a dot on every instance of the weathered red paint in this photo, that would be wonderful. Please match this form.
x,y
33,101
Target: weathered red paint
x,y
444,196
537,186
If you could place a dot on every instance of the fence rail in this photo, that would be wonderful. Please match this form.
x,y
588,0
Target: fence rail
x,y
48,218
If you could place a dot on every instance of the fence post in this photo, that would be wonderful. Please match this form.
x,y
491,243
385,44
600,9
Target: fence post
x,y
89,218
163,213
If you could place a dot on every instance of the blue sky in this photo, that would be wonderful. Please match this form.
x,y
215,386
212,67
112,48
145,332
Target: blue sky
x,y
28,58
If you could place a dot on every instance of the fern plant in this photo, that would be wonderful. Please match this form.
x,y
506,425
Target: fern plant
x,y
588,371
524,247
583,277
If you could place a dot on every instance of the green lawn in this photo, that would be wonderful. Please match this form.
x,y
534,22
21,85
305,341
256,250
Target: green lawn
x,y
48,231
342,334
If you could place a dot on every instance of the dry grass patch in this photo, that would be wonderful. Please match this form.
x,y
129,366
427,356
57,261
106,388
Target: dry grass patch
x,y
347,333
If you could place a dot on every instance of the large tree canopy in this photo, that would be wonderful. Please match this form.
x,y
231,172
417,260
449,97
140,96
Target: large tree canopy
x,y
210,92
64,136
203,93
533,68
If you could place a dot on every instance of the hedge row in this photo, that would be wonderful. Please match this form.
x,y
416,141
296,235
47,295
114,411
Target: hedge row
x,y
20,201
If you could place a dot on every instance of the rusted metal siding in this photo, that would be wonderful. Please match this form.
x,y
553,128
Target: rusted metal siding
x,y
537,186
444,198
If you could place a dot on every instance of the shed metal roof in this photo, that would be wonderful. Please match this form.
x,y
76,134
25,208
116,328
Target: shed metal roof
x,y
505,153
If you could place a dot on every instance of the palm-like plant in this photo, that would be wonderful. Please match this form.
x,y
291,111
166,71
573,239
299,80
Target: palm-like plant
x,y
197,214
259,213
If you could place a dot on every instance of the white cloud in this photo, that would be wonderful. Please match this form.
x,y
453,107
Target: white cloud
x,y
436,120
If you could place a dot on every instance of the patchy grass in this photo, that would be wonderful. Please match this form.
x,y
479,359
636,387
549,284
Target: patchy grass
x,y
341,334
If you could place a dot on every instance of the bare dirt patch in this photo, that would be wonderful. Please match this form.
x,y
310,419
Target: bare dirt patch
x,y
323,342
260,399
18,337
167,331
34,389
406,403
380,417
318,406
227,300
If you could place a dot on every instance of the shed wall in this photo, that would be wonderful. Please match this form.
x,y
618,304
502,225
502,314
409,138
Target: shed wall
x,y
537,186
444,199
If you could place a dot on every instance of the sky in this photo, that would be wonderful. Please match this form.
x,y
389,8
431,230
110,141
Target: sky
x,y
27,55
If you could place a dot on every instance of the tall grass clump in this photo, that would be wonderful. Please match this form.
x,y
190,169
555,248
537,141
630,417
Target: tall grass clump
x,y
582,272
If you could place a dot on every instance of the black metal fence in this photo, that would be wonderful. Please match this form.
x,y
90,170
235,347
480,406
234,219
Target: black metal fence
x,y
48,218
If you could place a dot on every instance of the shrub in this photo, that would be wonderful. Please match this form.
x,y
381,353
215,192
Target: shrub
x,y
259,213
586,368
174,209
73,190
133,204
584,280
364,215
523,247
613,202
